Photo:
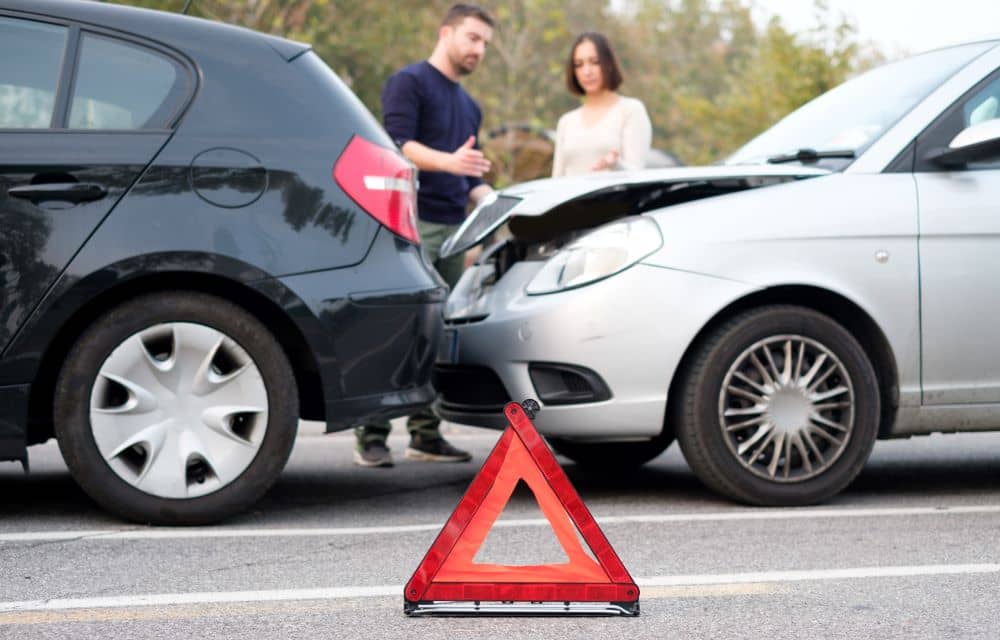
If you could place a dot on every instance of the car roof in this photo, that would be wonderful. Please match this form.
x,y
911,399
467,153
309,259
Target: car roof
x,y
170,28
958,43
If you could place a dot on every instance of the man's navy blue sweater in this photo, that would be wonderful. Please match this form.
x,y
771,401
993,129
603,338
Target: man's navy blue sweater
x,y
420,103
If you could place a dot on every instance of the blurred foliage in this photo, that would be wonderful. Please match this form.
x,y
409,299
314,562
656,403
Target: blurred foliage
x,y
710,76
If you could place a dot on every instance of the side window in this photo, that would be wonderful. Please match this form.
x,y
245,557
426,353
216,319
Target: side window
x,y
123,86
978,105
31,55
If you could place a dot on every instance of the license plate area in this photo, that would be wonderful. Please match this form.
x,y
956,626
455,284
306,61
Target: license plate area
x,y
448,350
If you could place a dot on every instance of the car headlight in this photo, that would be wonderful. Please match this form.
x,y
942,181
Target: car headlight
x,y
601,253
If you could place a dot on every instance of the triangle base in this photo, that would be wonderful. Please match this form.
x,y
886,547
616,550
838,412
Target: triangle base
x,y
530,592
513,608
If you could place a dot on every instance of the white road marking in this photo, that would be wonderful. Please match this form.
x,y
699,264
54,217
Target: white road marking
x,y
168,533
146,533
854,573
395,591
165,599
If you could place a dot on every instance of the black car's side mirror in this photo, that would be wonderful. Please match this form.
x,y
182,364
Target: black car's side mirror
x,y
978,142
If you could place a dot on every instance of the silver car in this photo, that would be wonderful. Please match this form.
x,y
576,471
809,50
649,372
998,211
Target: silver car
x,y
836,281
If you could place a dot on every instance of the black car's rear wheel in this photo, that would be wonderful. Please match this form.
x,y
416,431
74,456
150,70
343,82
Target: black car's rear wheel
x,y
780,406
176,408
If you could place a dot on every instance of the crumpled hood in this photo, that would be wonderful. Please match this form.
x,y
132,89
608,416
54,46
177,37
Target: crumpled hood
x,y
539,197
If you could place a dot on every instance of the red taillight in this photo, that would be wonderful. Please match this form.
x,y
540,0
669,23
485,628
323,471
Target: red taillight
x,y
382,183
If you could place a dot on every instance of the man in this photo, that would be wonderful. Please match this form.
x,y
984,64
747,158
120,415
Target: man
x,y
435,123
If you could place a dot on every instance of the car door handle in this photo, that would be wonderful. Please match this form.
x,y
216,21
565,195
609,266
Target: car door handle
x,y
75,192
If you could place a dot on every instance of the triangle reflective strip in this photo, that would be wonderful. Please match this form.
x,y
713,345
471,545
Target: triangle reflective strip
x,y
518,465
448,571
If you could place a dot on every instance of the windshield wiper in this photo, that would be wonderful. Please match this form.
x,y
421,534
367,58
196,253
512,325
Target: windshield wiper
x,y
811,155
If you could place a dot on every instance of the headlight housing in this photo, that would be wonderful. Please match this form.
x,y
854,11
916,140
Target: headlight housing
x,y
601,253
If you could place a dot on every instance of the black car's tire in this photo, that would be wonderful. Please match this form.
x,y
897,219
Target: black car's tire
x,y
199,397
747,428
611,455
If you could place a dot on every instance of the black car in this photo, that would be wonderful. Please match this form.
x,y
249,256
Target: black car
x,y
204,236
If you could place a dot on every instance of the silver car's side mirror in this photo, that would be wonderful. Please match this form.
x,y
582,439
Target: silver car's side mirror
x,y
978,142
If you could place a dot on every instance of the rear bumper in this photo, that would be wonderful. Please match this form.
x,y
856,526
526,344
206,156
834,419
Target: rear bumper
x,y
377,408
13,421
384,347
374,330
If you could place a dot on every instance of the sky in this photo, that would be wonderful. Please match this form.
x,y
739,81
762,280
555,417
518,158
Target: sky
x,y
899,26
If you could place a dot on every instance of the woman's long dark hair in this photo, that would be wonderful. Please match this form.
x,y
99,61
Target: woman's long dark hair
x,y
611,73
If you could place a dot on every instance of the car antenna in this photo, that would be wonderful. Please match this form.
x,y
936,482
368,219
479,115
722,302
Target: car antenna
x,y
187,5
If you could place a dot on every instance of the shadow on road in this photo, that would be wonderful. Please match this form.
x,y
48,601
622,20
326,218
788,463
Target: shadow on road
x,y
321,485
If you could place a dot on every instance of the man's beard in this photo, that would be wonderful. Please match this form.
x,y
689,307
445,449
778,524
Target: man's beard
x,y
461,65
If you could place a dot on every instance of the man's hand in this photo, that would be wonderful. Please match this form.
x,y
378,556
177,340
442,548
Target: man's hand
x,y
464,161
468,161
609,161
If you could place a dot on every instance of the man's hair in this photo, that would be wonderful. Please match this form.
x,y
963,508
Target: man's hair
x,y
460,12
611,73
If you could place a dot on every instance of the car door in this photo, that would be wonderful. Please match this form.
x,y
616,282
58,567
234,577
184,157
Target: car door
x,y
960,260
81,115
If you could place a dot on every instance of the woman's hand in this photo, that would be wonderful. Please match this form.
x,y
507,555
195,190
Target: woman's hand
x,y
609,161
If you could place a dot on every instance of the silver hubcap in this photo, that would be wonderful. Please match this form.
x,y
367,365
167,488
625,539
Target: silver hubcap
x,y
786,408
178,410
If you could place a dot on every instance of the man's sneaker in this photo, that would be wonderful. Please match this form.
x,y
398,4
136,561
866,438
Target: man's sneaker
x,y
373,454
436,450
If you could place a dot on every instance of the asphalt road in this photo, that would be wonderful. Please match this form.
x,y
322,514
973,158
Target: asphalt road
x,y
910,550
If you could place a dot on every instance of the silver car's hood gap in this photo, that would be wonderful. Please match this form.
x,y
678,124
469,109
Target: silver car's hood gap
x,y
542,210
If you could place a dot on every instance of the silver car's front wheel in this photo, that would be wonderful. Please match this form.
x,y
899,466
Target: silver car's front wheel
x,y
786,408
778,406
176,408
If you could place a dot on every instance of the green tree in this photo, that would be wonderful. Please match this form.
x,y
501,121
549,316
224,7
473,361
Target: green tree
x,y
710,76
779,74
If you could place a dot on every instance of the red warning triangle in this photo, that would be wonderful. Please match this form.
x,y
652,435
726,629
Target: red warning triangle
x,y
448,573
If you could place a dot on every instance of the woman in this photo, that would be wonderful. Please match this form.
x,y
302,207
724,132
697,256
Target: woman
x,y
608,131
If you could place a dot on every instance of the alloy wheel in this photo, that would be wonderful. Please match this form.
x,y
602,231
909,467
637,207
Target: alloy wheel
x,y
786,408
